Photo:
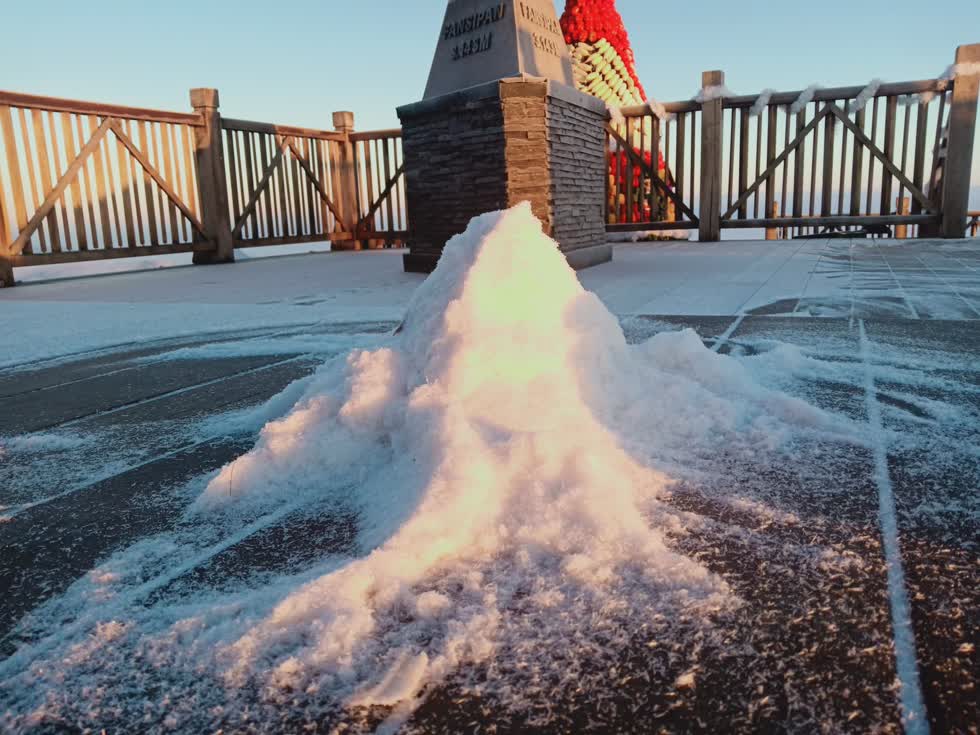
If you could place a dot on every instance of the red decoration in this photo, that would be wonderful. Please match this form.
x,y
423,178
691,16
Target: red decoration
x,y
589,20
641,201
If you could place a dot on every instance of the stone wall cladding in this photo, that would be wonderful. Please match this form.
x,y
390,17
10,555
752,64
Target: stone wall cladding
x,y
576,148
454,169
492,147
525,109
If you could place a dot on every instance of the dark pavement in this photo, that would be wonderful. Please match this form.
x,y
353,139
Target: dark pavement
x,y
811,649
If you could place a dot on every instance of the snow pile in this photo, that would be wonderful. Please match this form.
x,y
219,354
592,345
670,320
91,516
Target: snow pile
x,y
506,460
498,479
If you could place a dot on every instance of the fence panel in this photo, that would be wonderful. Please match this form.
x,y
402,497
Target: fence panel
x,y
835,162
381,185
652,181
81,181
890,159
288,185
281,184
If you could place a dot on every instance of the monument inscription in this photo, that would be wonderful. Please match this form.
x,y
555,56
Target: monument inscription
x,y
474,22
480,42
473,46
543,20
552,41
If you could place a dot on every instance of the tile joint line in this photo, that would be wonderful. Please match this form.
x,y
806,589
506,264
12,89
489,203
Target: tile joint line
x,y
906,664
726,335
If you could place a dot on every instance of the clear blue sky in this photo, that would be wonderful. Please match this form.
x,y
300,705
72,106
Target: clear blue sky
x,y
295,61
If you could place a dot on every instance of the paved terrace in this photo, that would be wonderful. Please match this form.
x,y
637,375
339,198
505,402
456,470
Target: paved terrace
x,y
814,647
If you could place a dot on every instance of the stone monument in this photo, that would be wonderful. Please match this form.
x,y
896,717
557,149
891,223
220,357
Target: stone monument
x,y
501,122
483,43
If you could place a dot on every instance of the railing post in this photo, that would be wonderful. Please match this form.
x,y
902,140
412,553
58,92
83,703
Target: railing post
x,y
345,180
211,184
712,130
6,266
772,233
902,206
962,127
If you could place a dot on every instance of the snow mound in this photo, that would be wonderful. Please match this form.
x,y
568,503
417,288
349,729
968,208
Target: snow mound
x,y
500,481
506,457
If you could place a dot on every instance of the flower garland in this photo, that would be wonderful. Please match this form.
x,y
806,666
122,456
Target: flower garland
x,y
604,67
601,72
621,167
590,21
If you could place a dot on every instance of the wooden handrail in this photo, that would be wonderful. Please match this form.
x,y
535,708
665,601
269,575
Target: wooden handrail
x,y
77,107
252,126
387,134
832,94
673,107
788,98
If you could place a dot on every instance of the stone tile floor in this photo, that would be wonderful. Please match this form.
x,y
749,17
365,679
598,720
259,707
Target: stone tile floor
x,y
813,648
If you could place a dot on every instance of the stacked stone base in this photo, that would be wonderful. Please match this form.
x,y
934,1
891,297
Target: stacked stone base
x,y
493,146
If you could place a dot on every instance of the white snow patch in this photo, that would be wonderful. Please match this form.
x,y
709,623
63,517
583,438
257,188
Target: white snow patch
x,y
41,273
713,92
761,102
253,418
615,115
805,98
41,443
865,95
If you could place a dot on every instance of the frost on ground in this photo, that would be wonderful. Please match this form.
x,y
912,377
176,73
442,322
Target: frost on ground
x,y
504,464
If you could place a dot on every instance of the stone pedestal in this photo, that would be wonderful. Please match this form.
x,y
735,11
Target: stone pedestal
x,y
497,144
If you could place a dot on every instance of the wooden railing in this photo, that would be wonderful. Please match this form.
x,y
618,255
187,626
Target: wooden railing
x,y
381,184
289,184
80,180
84,181
829,167
900,160
642,194
280,187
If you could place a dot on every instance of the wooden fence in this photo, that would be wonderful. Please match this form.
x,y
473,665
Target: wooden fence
x,y
290,184
901,159
82,181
